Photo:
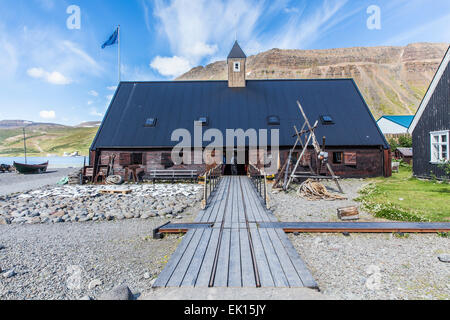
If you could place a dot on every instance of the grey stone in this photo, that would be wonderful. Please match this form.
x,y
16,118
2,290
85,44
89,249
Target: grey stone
x,y
147,275
19,220
86,298
2,247
45,219
118,293
4,221
129,215
94,284
9,274
145,216
34,220
165,211
178,209
444,258
120,217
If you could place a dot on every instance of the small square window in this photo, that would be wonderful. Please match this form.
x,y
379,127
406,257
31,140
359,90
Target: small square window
x,y
338,157
440,146
273,121
151,122
326,120
237,67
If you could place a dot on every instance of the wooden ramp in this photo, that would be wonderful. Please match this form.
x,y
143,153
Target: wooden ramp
x,y
228,249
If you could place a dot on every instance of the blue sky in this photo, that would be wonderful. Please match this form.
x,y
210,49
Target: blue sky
x,y
50,73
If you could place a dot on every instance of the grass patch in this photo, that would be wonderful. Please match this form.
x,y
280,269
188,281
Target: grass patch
x,y
47,140
404,198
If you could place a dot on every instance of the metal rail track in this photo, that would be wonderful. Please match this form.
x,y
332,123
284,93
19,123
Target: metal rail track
x,y
216,256
252,249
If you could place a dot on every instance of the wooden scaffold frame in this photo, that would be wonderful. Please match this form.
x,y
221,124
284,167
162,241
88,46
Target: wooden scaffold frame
x,y
310,138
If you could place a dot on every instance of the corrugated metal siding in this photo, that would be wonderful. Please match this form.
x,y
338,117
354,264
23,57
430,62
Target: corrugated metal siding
x,y
436,117
179,104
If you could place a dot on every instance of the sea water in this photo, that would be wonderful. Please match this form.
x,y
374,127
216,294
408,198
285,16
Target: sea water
x,y
53,162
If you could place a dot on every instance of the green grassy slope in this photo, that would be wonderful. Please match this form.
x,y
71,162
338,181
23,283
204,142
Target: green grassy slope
x,y
46,140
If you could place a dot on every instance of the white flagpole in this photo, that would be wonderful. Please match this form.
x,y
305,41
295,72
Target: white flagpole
x,y
118,31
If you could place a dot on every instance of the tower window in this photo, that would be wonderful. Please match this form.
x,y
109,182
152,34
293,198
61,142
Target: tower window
x,y
237,67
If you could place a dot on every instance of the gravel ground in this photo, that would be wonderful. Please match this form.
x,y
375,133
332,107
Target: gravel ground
x,y
13,182
290,207
366,266
59,261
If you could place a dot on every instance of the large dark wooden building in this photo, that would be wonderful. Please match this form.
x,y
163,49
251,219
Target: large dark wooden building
x,y
431,126
139,123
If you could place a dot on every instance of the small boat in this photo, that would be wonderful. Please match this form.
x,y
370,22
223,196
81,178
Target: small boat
x,y
31,168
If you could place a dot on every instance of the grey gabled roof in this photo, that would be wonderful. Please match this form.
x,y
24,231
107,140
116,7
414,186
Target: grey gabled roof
x,y
237,52
434,83
177,104
407,152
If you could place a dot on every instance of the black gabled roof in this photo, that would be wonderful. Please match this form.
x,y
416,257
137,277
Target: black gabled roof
x,y
237,52
178,104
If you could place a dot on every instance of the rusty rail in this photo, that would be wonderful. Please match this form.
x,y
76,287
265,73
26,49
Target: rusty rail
x,y
259,179
212,179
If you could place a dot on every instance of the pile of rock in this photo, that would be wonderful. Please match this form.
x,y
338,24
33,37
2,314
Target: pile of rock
x,y
86,203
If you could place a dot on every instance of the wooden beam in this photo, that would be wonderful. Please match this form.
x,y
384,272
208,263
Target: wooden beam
x,y
359,227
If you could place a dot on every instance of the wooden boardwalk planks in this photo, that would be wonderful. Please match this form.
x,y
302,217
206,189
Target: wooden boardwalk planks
x,y
232,251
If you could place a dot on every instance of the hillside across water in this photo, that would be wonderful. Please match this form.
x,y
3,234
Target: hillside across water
x,y
45,139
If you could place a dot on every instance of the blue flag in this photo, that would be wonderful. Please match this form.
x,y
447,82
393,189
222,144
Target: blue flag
x,y
112,40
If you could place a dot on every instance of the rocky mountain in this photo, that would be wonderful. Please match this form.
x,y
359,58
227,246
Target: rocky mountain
x,y
14,124
89,124
393,80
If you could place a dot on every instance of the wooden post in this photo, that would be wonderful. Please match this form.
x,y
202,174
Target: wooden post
x,y
348,213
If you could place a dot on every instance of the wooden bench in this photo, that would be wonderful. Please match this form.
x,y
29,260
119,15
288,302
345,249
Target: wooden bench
x,y
172,175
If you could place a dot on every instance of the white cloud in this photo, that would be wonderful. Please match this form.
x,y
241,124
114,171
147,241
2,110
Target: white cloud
x,y
9,60
93,93
90,103
300,31
54,77
198,31
84,58
109,97
95,113
44,114
173,66
112,88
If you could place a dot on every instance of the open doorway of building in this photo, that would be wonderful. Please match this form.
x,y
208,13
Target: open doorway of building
x,y
236,169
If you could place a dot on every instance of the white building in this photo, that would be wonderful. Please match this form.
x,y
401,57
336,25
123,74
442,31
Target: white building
x,y
395,124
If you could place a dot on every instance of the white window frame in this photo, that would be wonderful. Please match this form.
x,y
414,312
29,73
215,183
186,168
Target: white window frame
x,y
439,144
237,66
